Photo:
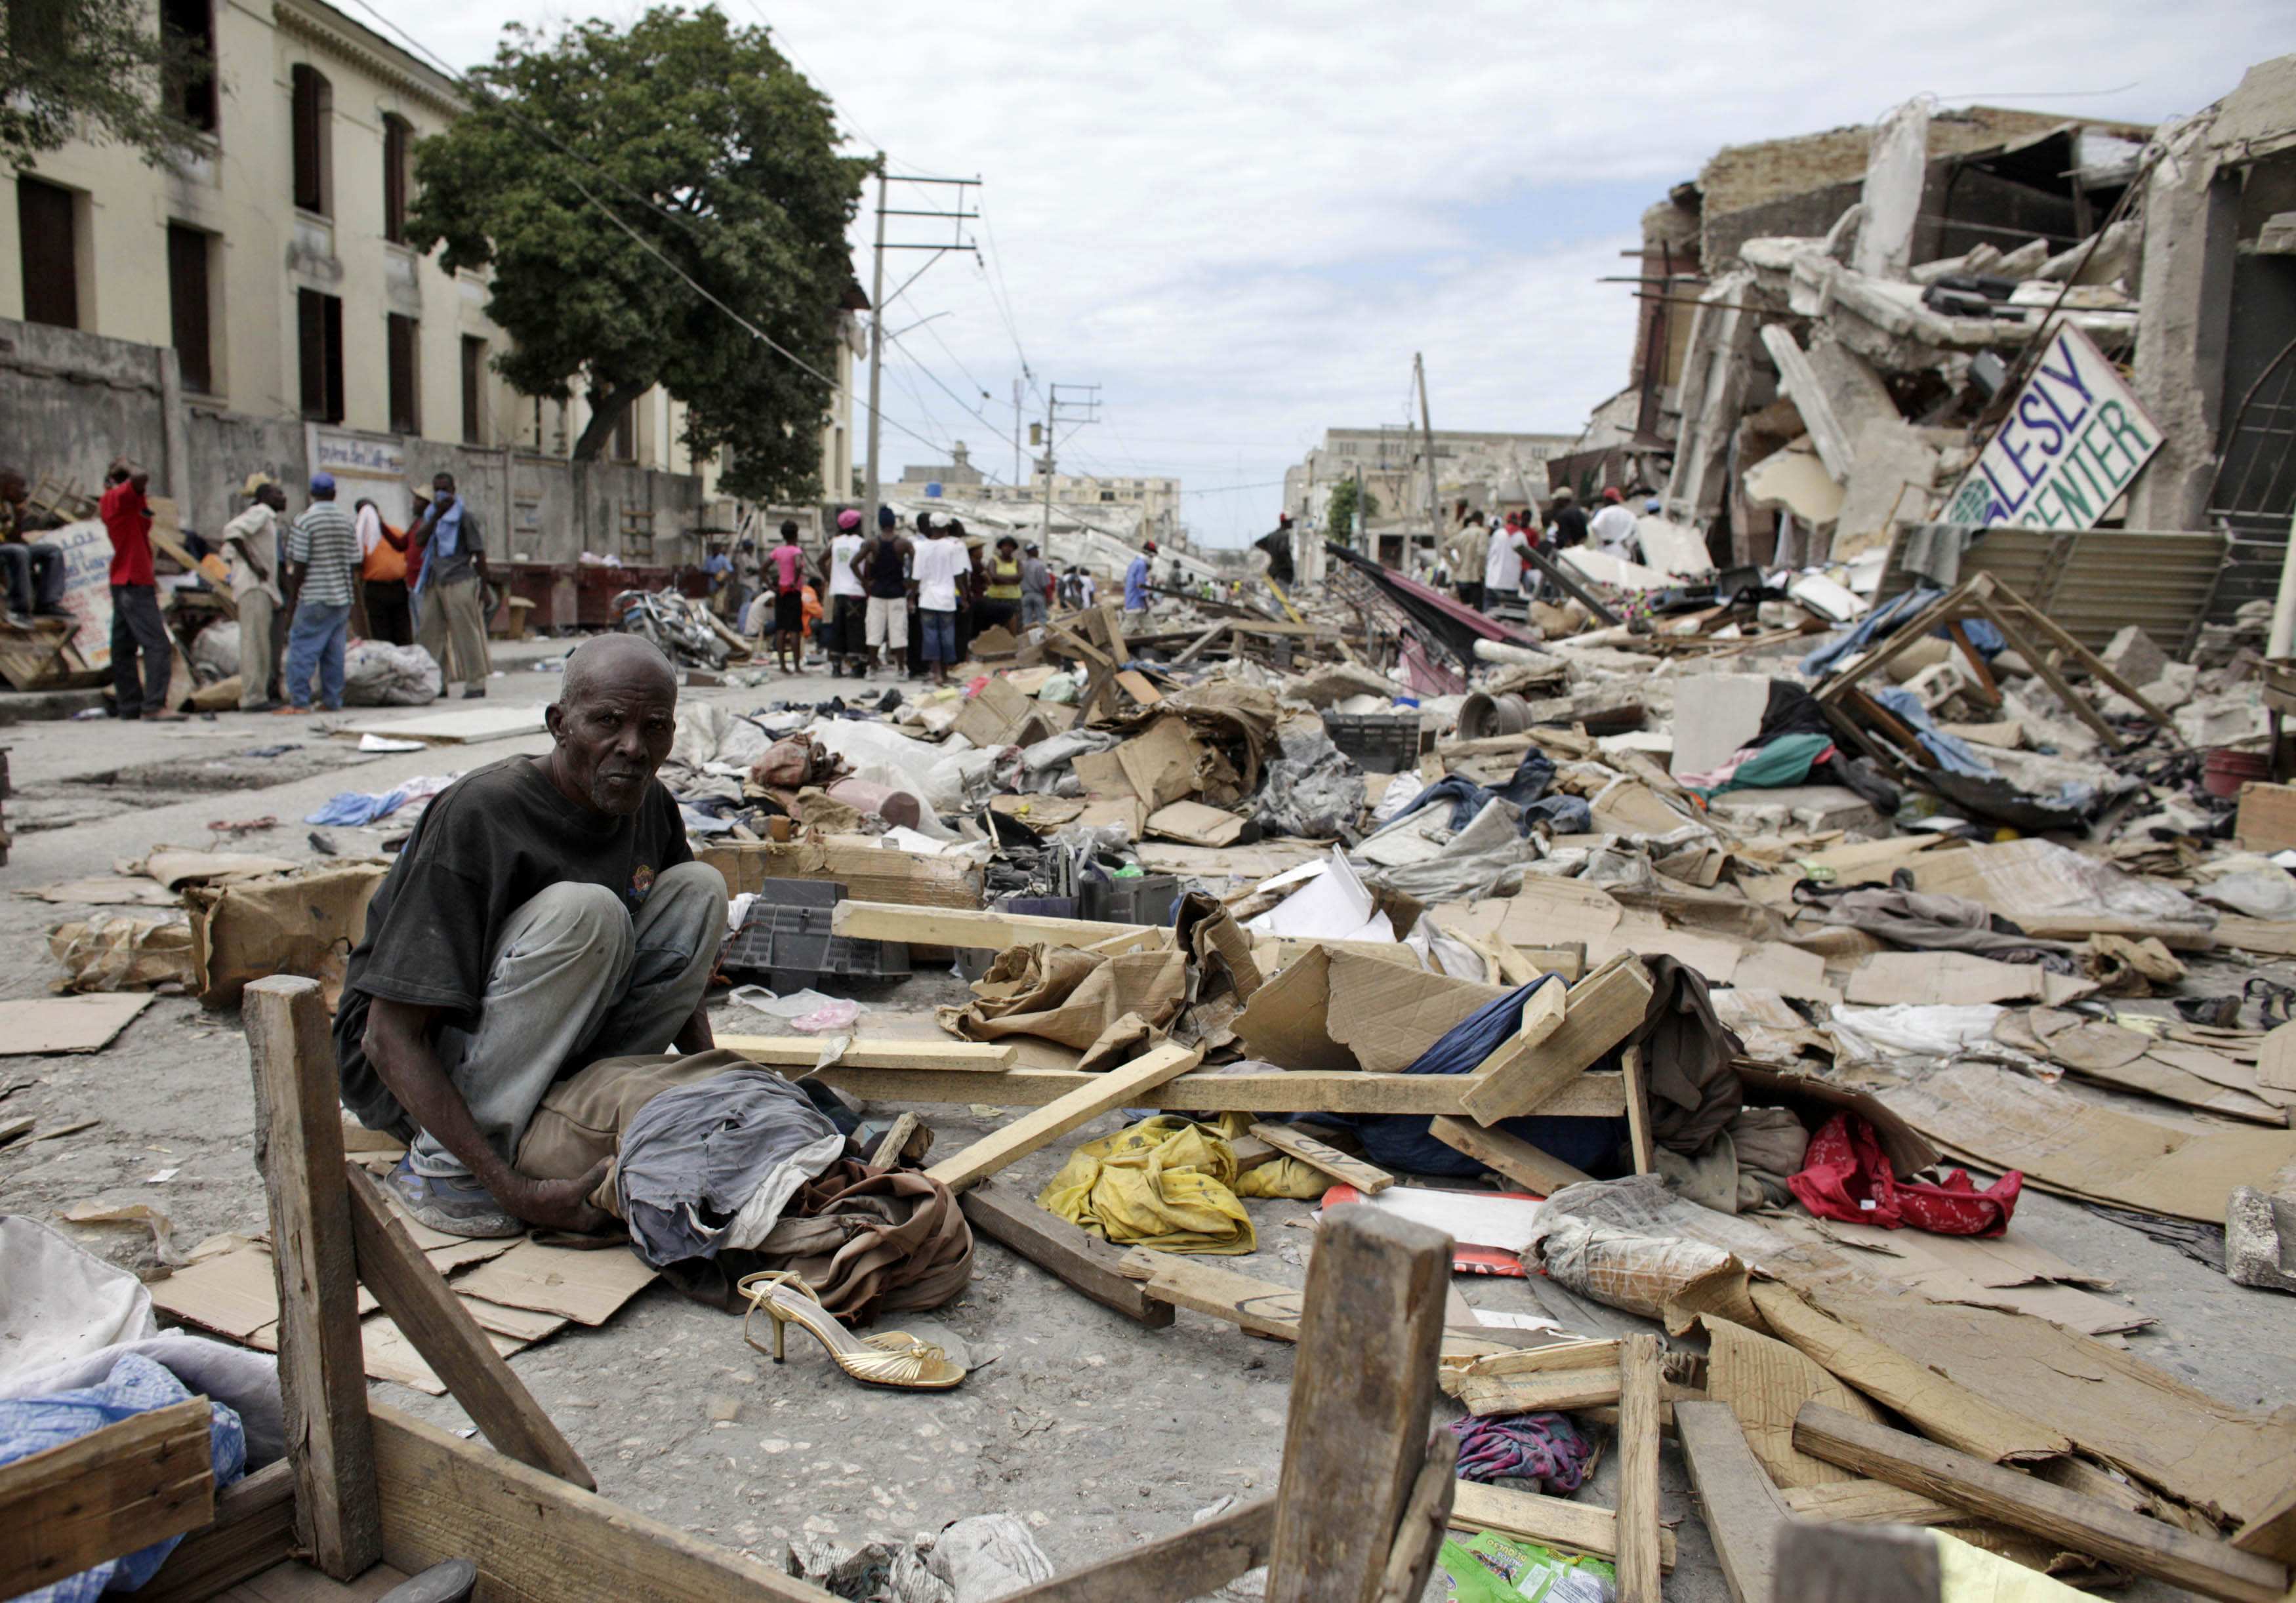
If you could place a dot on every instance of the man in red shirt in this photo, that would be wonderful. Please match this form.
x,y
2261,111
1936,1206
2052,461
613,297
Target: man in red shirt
x,y
135,623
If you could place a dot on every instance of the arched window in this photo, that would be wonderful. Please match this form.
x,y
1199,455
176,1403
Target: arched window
x,y
314,109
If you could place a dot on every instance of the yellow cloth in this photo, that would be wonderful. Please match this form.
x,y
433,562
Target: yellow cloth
x,y
1285,1177
1167,1183
1970,1574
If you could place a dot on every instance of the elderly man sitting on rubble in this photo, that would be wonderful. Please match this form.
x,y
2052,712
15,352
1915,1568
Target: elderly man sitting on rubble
x,y
546,914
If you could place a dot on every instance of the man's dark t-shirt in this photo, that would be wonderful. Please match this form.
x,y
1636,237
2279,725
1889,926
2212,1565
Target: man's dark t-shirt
x,y
488,844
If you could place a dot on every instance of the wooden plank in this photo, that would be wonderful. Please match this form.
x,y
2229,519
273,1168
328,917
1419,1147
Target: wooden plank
x,y
2273,1533
1597,1014
1061,1250
1261,1307
887,1155
1292,1142
975,930
1542,1015
253,1529
1638,1427
1639,1133
117,1488
298,1148
1511,1156
2077,703
1743,1510
1188,1564
535,1537
1589,1096
1041,1126
1362,1391
1856,1564
1419,1534
1867,1502
2084,1525
440,1327
803,1051
1588,1528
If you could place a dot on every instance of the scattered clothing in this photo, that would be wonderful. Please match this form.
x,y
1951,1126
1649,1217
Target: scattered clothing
x,y
1846,1176
711,1165
1167,1183
352,808
1543,1453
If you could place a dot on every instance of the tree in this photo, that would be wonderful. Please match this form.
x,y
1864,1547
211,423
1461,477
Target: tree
x,y
93,68
1339,512
701,139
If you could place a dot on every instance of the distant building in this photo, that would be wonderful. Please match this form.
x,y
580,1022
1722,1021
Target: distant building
x,y
1486,469
959,472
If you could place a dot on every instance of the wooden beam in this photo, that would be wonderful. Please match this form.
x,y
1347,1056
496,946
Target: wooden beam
x,y
895,1142
936,1056
1542,1016
1586,1528
1362,1391
1598,1013
979,931
119,1488
1419,1534
1638,1425
1589,1096
1188,1564
533,1536
1061,1250
440,1327
1639,1132
1041,1126
2097,666
253,1529
2273,1533
299,1147
1509,1156
1292,1142
2055,679
1868,1502
1261,1307
1743,1510
1856,1564
2084,1524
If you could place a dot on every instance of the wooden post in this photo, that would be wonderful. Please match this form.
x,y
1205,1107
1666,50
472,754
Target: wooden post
x,y
298,1148
1362,1391
1638,1425
430,1316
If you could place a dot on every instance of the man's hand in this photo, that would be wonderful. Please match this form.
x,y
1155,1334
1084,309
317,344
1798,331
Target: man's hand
x,y
559,1204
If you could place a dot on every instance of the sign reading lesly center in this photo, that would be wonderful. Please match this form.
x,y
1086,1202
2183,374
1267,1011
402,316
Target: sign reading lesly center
x,y
2075,439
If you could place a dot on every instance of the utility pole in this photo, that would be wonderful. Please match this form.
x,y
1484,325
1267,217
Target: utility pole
x,y
879,300
1086,411
1362,530
1434,495
1017,479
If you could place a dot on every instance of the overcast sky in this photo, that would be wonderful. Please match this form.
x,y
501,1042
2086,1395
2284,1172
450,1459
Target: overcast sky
x,y
1240,221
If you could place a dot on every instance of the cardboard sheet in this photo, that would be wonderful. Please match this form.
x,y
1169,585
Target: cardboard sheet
x,y
1102,775
2004,1272
1195,825
585,1286
1162,763
1338,1010
67,1024
1956,979
1765,1382
453,728
306,923
2065,1144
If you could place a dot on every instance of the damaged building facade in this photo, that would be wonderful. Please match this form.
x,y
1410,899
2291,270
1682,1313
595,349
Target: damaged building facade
x,y
1832,328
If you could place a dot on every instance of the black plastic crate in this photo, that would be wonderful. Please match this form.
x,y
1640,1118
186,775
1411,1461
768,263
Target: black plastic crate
x,y
1149,899
786,937
1376,742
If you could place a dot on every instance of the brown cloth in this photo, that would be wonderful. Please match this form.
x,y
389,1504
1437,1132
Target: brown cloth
x,y
582,1117
1070,996
1686,1053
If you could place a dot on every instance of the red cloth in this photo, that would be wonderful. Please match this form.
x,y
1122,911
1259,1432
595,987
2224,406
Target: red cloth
x,y
1846,1176
127,519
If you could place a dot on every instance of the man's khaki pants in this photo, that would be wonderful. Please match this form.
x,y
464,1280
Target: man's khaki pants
x,y
255,611
454,619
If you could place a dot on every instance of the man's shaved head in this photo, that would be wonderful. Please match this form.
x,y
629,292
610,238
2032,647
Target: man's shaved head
x,y
612,722
615,662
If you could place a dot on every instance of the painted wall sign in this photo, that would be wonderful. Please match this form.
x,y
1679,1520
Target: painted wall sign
x,y
87,587
2074,440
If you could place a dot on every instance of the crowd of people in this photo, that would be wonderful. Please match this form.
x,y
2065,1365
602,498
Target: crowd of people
x,y
905,599
301,588
1487,561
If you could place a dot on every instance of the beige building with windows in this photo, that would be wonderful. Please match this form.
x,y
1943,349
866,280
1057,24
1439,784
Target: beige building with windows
x,y
271,262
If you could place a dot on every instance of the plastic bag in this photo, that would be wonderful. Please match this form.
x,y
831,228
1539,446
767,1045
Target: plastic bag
x,y
1491,1568
377,673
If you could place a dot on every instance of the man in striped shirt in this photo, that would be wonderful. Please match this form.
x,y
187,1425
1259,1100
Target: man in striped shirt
x,y
323,557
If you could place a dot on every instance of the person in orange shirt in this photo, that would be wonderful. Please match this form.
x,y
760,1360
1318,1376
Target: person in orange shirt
x,y
382,577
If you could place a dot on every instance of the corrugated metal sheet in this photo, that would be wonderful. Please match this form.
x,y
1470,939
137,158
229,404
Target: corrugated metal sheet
x,y
2096,582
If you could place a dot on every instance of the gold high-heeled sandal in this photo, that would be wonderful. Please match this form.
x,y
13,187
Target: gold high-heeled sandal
x,y
891,1358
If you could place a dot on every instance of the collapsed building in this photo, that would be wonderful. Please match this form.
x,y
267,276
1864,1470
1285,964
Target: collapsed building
x,y
1832,326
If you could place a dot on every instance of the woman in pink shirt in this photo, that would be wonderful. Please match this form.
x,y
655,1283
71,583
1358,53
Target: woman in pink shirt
x,y
787,562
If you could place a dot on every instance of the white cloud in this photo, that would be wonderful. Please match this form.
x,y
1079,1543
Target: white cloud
x,y
1242,221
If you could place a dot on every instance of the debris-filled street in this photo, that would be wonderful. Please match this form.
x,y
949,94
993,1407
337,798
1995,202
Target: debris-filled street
x,y
1697,1010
